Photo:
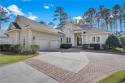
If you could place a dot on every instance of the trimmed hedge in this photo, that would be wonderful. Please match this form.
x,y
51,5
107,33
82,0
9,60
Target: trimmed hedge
x,y
96,46
5,47
66,46
85,46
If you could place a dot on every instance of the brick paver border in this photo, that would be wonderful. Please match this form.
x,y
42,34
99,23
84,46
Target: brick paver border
x,y
100,66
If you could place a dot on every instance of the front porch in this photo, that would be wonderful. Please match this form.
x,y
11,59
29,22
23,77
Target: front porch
x,y
78,38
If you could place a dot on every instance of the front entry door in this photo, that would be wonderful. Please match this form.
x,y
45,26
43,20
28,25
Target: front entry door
x,y
79,40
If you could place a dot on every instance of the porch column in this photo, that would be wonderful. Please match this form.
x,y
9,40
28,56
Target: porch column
x,y
73,43
82,36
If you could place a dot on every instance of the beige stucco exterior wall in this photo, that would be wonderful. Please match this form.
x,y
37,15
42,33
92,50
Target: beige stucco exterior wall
x,y
14,35
17,35
103,37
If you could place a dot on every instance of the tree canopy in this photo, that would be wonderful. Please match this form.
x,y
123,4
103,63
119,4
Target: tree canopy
x,y
4,15
61,16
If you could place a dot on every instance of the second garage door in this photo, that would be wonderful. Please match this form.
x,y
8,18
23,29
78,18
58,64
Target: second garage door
x,y
43,43
54,44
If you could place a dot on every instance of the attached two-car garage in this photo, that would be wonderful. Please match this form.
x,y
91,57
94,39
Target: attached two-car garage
x,y
47,44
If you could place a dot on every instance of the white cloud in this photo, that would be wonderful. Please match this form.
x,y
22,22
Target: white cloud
x,y
15,10
55,27
31,16
52,5
77,18
46,6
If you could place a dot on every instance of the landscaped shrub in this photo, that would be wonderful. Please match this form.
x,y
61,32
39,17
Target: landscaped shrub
x,y
120,46
85,46
15,48
122,39
104,46
5,47
35,48
96,46
66,46
112,41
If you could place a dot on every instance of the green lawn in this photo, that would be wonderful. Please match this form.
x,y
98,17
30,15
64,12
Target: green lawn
x,y
119,49
114,78
5,59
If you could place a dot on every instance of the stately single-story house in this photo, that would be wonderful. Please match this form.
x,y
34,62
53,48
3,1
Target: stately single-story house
x,y
28,32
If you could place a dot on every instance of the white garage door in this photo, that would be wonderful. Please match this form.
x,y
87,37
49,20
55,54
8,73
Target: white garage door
x,y
43,43
54,44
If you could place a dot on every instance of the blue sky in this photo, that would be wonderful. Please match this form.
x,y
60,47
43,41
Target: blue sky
x,y
43,10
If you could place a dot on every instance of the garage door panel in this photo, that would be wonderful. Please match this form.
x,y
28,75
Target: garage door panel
x,y
43,43
54,44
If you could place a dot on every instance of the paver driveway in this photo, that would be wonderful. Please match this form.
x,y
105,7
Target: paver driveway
x,y
66,66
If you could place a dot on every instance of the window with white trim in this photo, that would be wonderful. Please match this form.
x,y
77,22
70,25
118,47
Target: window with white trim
x,y
96,39
69,29
68,40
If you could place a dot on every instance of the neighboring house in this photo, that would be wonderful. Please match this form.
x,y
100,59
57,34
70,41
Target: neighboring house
x,y
4,37
28,32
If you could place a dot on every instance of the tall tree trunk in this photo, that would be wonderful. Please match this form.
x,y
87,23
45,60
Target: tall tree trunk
x,y
120,24
116,26
98,24
0,24
124,25
101,23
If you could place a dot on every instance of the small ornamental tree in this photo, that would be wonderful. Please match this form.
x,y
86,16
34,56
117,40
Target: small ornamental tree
x,y
112,41
122,39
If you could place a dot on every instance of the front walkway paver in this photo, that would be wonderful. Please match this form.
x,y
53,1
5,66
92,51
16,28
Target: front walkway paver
x,y
23,73
100,65
40,70
57,73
